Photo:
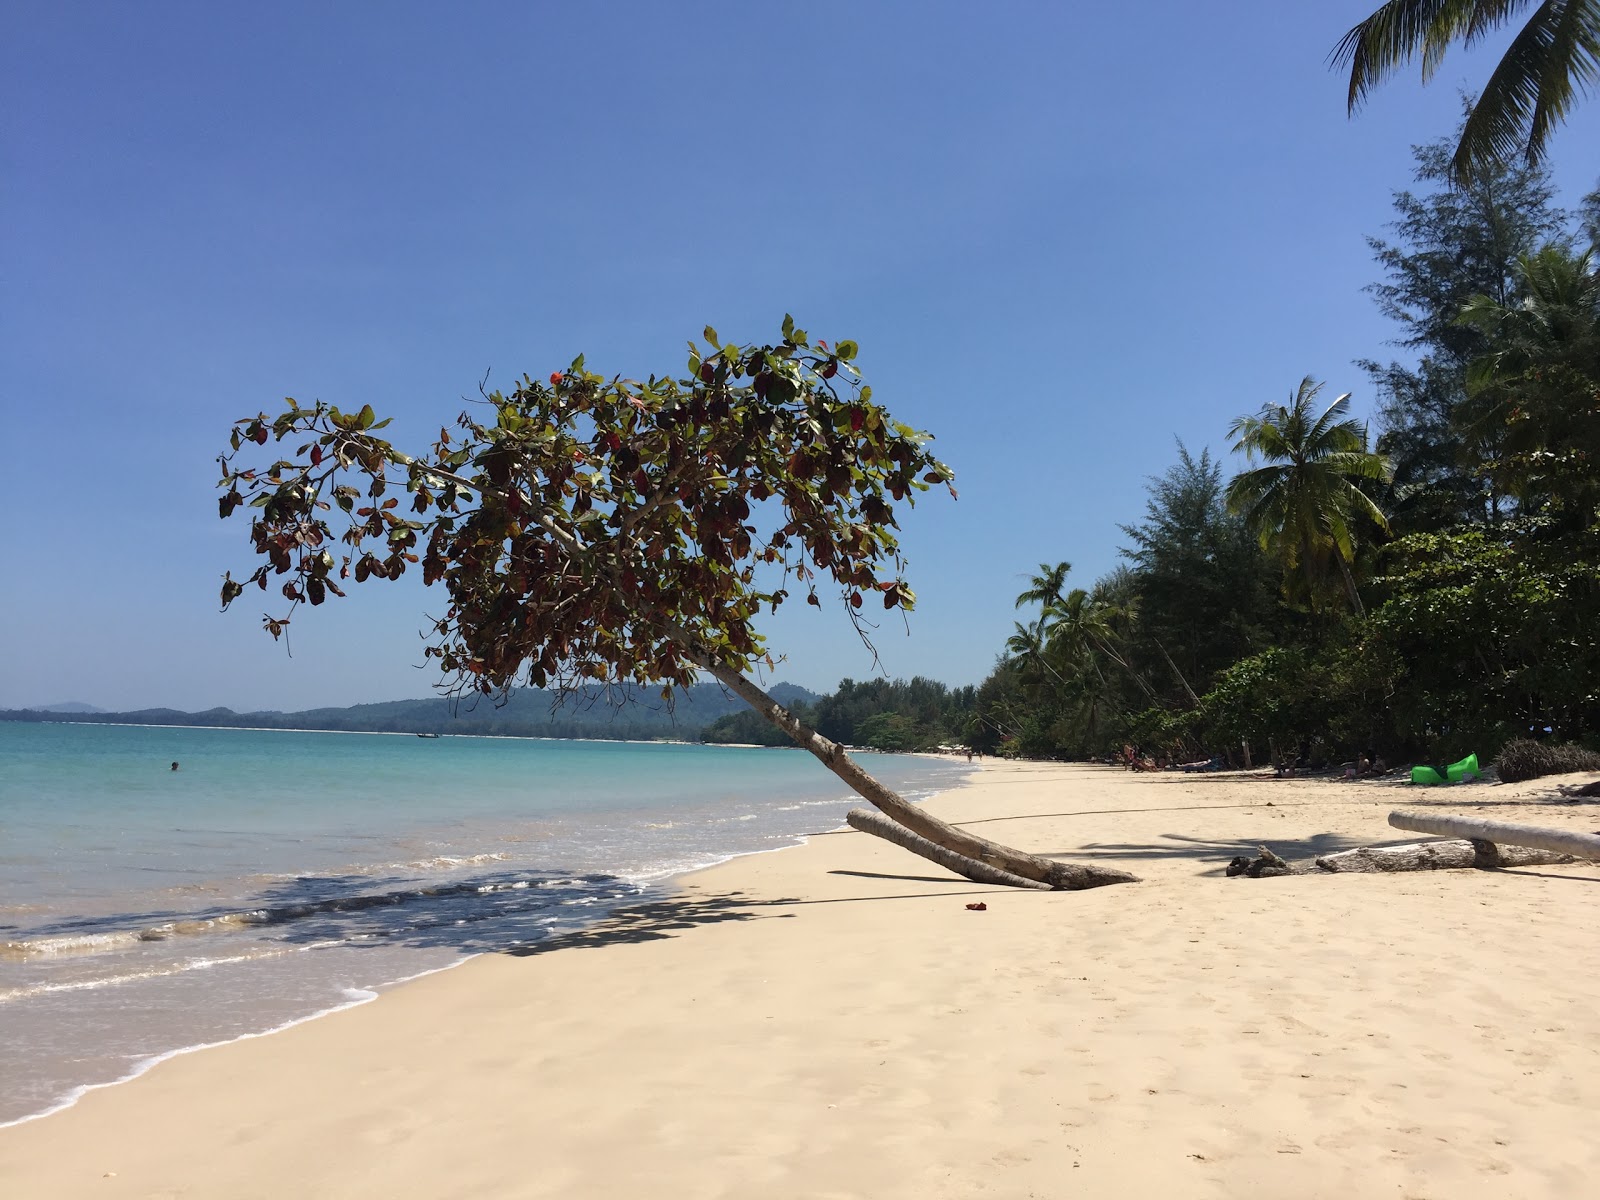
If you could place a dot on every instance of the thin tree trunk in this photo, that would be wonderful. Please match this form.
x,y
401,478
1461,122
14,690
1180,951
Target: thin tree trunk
x,y
1189,691
1105,648
1058,875
1350,584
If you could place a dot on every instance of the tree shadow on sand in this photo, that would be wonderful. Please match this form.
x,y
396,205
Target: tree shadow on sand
x,y
654,921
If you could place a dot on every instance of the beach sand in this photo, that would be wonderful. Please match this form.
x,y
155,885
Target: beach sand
x,y
831,1022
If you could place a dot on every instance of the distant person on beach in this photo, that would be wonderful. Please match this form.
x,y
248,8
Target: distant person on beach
x,y
174,766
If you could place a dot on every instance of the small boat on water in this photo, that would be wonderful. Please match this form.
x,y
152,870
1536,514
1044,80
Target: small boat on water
x,y
429,735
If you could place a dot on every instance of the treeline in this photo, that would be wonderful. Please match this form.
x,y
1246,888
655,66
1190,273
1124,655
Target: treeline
x,y
891,715
525,712
1428,592
898,715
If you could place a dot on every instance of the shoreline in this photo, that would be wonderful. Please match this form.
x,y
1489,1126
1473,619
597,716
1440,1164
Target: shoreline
x,y
830,1021
644,886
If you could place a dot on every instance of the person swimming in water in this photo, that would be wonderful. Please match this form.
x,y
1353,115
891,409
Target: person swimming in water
x,y
174,766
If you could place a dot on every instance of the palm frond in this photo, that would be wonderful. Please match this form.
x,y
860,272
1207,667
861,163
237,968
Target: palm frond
x,y
1514,112
1388,39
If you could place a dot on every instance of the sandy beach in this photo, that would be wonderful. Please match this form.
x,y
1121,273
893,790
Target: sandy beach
x,y
832,1021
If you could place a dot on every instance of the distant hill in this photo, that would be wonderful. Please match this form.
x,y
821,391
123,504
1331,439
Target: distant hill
x,y
67,706
526,712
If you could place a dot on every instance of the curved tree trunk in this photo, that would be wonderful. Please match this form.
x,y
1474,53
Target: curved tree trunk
x,y
1058,875
879,825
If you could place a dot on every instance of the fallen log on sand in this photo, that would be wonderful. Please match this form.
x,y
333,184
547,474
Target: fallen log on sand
x,y
1074,876
1435,856
1497,833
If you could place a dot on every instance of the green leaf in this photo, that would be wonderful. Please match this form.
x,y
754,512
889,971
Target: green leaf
x,y
367,416
710,335
788,327
847,350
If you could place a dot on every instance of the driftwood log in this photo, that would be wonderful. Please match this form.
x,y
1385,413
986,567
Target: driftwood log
x,y
1070,876
1435,856
1501,833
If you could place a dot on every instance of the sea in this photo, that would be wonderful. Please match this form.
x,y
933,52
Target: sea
x,y
279,875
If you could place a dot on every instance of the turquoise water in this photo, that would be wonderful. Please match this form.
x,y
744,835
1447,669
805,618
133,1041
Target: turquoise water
x,y
277,874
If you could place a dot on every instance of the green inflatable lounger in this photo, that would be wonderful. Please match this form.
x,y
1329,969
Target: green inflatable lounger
x,y
1456,772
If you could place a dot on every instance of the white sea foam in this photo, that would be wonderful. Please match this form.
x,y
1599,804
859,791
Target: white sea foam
x,y
664,830
353,997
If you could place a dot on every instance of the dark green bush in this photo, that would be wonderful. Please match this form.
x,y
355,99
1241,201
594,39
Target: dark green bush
x,y
1524,759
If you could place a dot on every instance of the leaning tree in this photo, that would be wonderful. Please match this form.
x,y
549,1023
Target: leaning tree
x,y
616,533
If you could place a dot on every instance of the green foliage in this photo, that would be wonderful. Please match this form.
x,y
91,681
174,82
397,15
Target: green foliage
x,y
891,732
915,714
1449,244
1306,501
1552,60
1202,588
593,529
1535,391
749,728
1499,633
1485,612
1526,759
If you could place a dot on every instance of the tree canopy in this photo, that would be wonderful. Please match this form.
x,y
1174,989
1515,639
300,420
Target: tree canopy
x,y
600,529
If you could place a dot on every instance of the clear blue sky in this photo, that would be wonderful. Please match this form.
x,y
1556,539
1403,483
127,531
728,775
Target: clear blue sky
x,y
1063,235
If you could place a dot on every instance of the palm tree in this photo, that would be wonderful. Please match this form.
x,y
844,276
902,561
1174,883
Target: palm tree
x,y
1306,499
1534,396
1554,57
1084,629
1045,587
1028,647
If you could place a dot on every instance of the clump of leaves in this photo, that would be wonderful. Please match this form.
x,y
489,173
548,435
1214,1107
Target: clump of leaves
x,y
600,529
1526,759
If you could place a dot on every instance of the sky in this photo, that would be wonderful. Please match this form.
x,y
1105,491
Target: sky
x,y
1064,236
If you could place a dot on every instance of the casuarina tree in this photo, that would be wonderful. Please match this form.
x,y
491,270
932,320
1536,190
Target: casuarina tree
x,y
615,533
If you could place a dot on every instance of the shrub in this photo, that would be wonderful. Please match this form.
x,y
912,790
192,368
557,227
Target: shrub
x,y
1524,759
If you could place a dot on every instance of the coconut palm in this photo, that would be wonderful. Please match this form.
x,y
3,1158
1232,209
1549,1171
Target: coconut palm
x,y
1045,588
1084,629
1554,58
1028,648
1307,497
1534,396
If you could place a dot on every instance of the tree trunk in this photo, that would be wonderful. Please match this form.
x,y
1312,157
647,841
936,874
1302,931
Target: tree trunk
x,y
1558,841
1188,691
968,868
1435,856
1058,875
1350,584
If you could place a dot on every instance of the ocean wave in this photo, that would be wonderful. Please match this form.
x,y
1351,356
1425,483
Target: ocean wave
x,y
52,945
8,995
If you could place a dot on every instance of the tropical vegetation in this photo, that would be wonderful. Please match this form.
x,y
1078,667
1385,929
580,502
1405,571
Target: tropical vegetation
x,y
1419,589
